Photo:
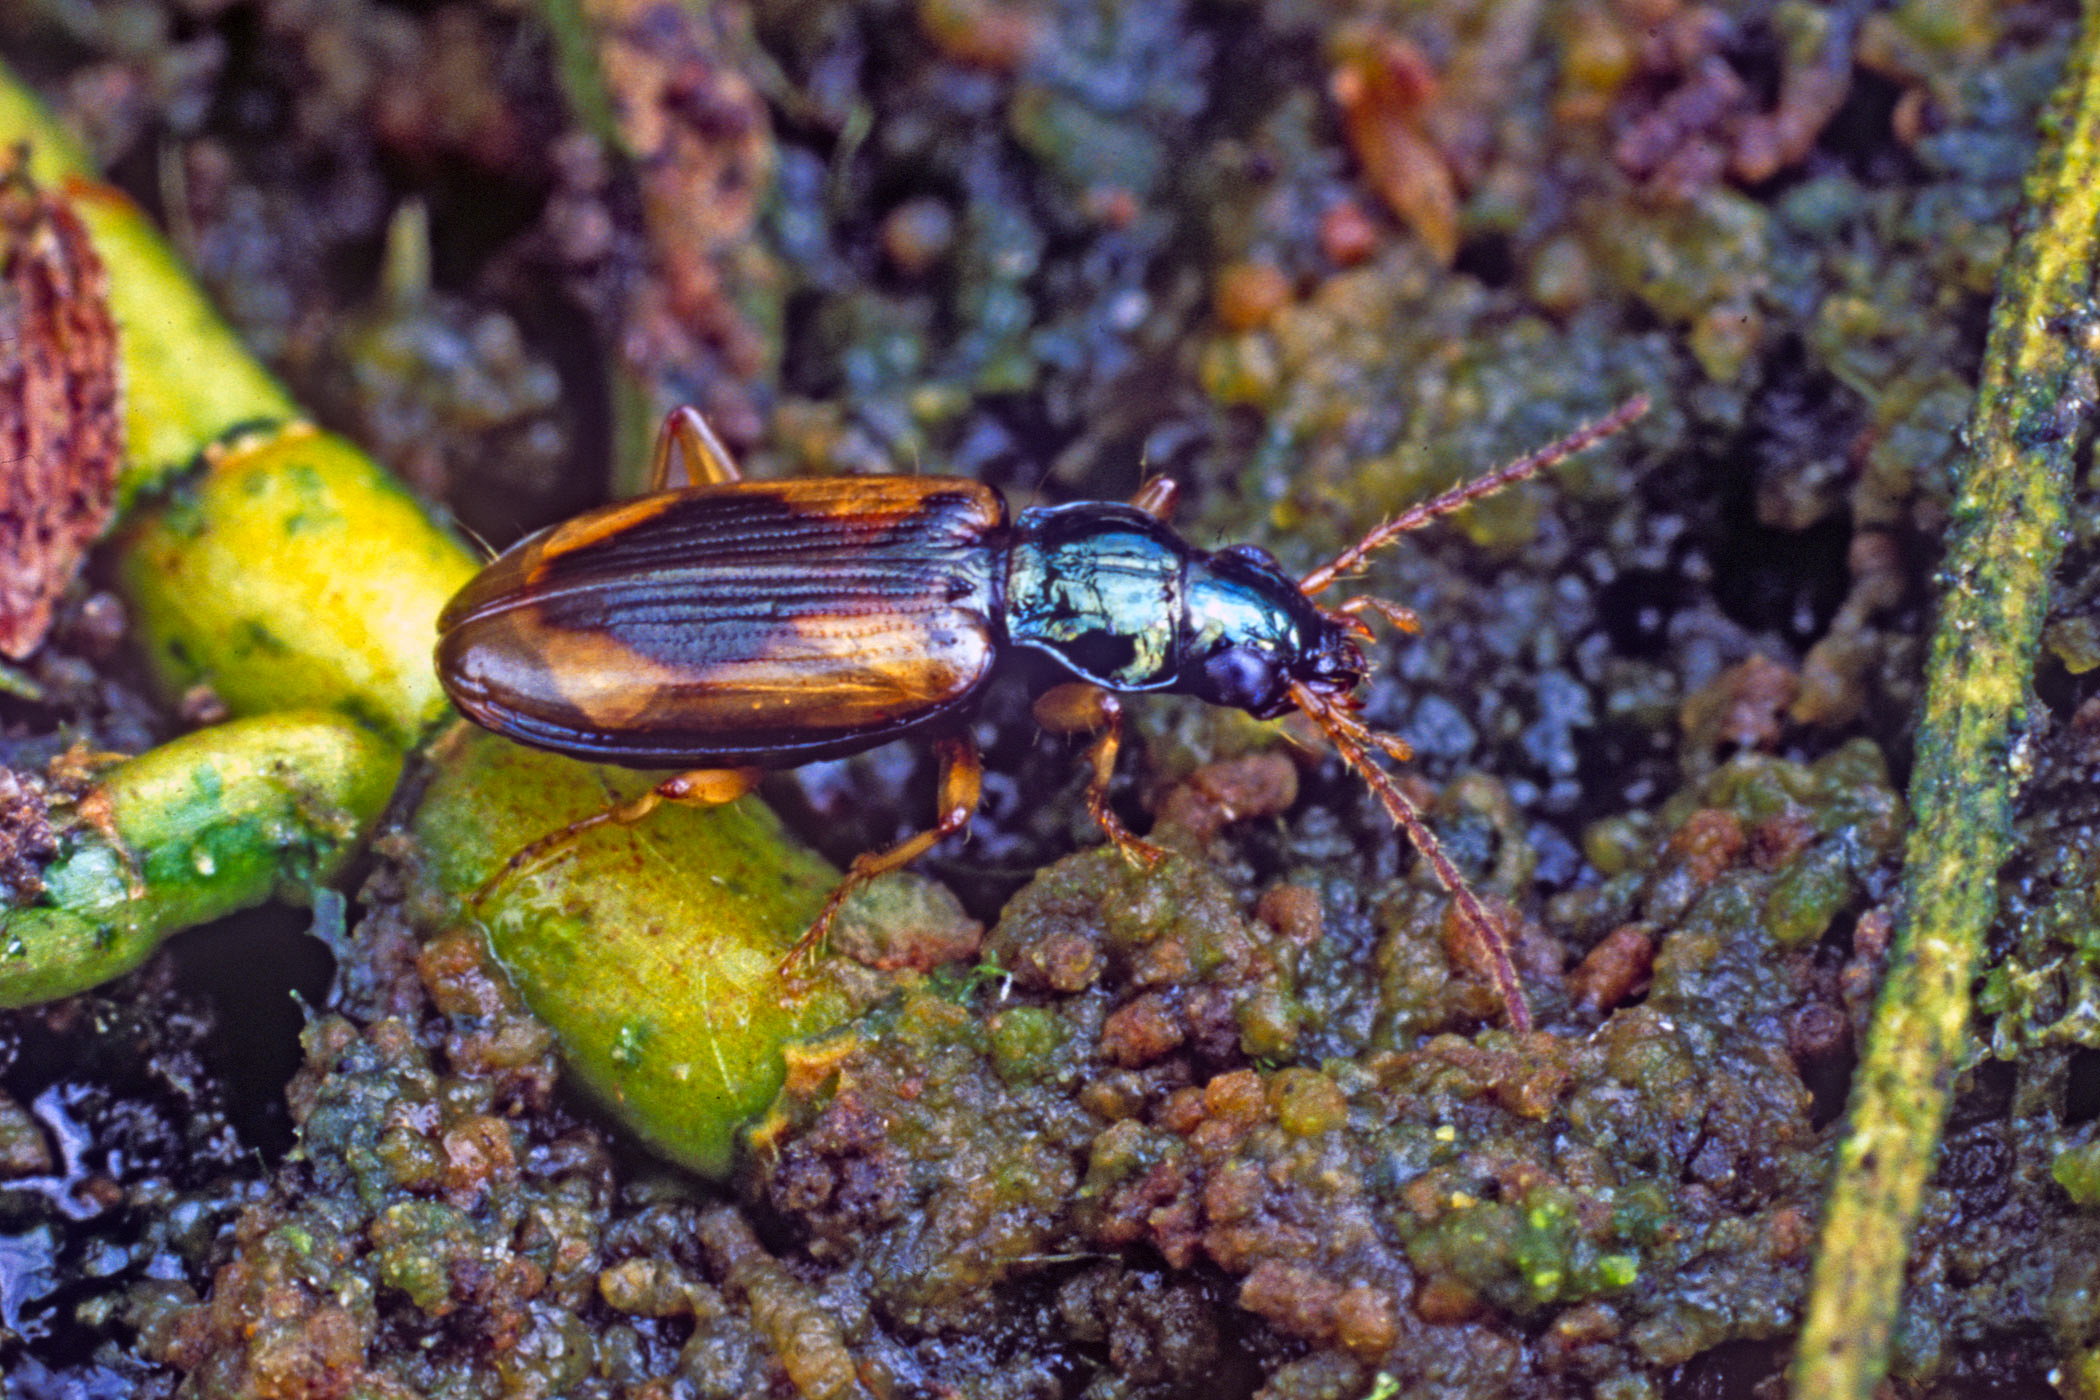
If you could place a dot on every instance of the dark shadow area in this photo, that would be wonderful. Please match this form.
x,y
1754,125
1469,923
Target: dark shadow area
x,y
255,970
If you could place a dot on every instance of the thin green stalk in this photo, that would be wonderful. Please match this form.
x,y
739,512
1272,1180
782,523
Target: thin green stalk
x,y
208,824
2008,534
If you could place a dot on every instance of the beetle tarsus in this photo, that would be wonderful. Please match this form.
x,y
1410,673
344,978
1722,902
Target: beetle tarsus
x,y
534,853
1079,708
801,959
961,787
1139,852
1400,619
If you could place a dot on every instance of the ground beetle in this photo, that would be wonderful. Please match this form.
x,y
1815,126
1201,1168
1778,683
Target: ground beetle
x,y
735,626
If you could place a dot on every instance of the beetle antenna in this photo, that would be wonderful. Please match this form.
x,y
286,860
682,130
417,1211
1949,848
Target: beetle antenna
x,y
1350,738
1509,474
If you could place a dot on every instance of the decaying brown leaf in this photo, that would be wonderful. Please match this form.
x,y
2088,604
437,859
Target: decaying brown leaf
x,y
61,436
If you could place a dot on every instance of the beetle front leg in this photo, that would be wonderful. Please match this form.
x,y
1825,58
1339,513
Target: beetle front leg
x,y
1156,497
707,461
701,787
1079,708
1399,618
961,787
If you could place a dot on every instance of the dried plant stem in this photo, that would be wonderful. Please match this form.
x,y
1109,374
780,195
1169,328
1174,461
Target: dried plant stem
x,y
2008,534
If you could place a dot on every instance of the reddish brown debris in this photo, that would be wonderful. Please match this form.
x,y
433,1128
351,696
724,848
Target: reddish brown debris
x,y
490,1033
1347,235
27,842
1293,911
1859,981
918,925
266,1330
61,438
1249,294
2085,730
1775,841
1834,674
441,98
1706,124
1615,969
23,1149
1230,790
1817,1031
981,33
702,145
1679,145
1141,1031
479,1155
1385,88
1299,1300
1707,844
917,235
1745,706
1443,1299
1064,961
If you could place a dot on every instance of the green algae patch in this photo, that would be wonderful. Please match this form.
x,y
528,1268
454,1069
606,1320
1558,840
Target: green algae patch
x,y
2077,1170
971,1171
293,573
500,1245
1522,1255
1025,1044
651,951
214,822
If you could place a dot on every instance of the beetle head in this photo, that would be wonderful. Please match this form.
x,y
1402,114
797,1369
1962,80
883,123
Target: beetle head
x,y
1251,634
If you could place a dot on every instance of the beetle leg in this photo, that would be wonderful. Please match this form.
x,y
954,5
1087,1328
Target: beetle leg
x,y
707,461
1156,497
1079,708
1401,619
702,787
962,784
1391,745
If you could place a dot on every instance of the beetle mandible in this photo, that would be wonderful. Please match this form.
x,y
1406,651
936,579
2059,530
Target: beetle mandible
x,y
734,626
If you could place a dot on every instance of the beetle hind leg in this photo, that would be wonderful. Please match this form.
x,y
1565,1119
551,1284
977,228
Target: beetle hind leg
x,y
961,786
1079,708
707,461
701,787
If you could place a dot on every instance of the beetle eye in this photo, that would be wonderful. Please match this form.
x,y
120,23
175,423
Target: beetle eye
x,y
1241,677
